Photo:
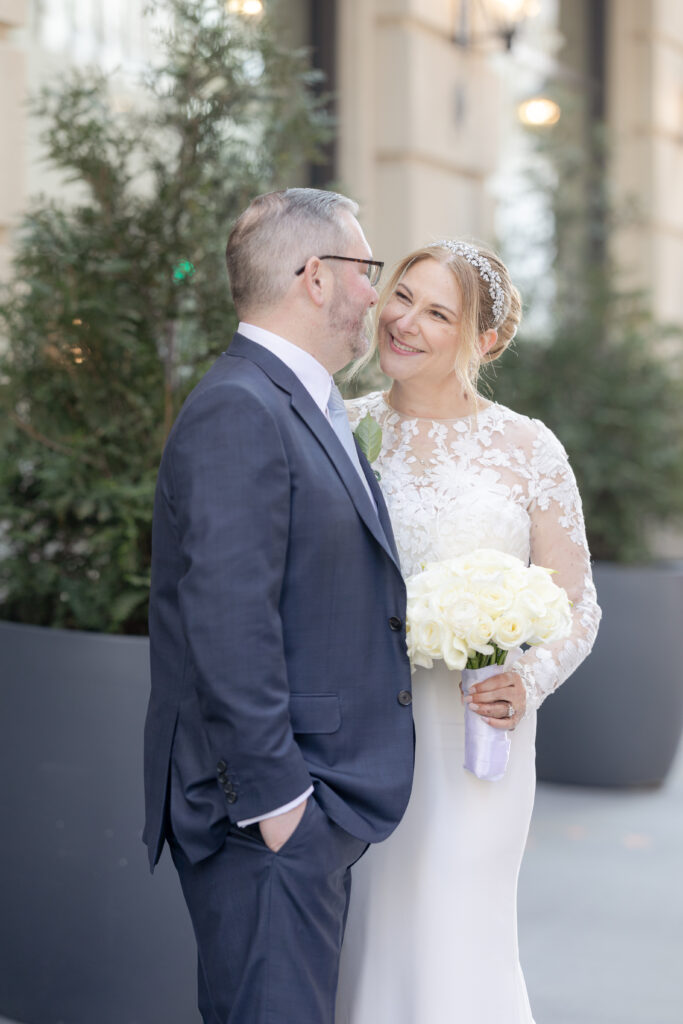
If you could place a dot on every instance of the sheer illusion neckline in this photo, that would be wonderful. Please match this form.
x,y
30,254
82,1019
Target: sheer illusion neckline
x,y
470,416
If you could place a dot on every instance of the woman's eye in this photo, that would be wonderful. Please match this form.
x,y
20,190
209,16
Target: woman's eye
x,y
402,296
435,312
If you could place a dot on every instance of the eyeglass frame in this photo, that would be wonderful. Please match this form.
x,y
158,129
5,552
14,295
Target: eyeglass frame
x,y
379,264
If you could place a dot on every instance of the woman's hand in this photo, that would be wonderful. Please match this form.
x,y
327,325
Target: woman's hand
x,y
493,698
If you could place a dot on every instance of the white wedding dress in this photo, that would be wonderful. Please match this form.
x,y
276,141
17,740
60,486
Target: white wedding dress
x,y
432,929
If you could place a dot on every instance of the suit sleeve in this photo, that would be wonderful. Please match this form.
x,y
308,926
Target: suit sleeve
x,y
229,483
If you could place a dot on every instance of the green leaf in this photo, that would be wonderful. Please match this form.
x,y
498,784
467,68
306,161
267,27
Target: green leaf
x,y
100,343
368,433
124,604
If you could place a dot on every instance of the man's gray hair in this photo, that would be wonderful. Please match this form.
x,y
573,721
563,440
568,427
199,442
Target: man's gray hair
x,y
277,234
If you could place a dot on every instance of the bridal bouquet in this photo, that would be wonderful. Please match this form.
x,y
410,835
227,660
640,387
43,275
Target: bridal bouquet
x,y
470,611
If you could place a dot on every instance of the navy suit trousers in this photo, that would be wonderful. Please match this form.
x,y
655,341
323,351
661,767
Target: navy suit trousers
x,y
269,926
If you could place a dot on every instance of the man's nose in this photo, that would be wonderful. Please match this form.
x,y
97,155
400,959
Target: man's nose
x,y
375,297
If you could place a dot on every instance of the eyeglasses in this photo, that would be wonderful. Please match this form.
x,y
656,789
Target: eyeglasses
x,y
373,270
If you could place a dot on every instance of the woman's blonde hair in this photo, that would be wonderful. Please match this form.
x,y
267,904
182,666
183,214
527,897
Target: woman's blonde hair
x,y
489,301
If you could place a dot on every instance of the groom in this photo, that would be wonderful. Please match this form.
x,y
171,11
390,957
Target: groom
x,y
279,735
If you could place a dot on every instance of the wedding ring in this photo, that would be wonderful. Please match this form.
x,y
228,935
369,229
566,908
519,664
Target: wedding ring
x,y
511,712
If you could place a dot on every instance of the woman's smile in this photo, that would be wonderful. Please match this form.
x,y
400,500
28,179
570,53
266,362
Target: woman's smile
x,y
402,347
421,318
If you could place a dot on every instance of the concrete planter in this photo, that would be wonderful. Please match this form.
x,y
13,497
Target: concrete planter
x,y
618,720
87,935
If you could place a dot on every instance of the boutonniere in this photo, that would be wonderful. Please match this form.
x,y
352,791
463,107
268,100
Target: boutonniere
x,y
368,433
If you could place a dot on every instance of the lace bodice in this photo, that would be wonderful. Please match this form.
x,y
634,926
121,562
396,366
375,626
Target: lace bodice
x,y
500,481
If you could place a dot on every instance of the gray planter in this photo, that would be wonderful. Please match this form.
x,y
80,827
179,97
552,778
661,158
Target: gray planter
x,y
618,720
87,936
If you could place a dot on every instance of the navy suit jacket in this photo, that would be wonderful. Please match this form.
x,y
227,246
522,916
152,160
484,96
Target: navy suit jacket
x,y
277,616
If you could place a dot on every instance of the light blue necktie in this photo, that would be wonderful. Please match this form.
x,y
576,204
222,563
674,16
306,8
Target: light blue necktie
x,y
340,424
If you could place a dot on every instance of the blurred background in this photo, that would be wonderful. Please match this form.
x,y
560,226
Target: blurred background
x,y
131,136
431,98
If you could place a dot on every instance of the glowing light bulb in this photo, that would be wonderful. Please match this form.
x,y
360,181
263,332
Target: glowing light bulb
x,y
516,10
248,7
539,112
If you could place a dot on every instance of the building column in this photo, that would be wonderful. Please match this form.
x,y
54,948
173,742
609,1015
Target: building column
x,y
645,115
418,124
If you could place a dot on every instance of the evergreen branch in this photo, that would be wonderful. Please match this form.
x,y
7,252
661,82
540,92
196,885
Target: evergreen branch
x,y
55,446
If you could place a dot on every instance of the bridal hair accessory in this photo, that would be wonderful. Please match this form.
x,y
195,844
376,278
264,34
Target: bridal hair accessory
x,y
486,272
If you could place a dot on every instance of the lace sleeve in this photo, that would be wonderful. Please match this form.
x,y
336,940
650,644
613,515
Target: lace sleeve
x,y
558,541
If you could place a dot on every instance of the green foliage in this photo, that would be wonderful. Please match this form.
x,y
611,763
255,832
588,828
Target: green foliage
x,y
119,300
603,375
609,382
368,433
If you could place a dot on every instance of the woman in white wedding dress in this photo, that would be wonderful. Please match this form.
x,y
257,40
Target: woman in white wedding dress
x,y
432,929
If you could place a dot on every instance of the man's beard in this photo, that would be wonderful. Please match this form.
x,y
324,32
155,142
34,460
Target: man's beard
x,y
351,330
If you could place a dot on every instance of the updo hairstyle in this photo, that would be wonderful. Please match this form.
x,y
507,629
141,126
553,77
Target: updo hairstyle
x,y
478,313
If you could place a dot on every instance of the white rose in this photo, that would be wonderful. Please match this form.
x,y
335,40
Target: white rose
x,y
458,610
480,633
493,599
489,558
426,631
517,579
512,629
531,603
554,625
450,599
419,584
540,583
414,654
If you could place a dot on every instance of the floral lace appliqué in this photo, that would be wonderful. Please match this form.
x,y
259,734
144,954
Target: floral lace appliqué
x,y
501,481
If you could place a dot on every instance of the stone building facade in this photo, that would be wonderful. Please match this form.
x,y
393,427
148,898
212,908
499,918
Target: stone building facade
x,y
428,134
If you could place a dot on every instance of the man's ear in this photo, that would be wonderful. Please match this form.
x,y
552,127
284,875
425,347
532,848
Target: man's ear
x,y
487,340
313,279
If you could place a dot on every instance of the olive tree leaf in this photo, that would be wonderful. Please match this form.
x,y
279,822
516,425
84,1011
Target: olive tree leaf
x,y
368,433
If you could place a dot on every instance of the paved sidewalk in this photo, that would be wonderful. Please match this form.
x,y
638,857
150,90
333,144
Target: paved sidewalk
x,y
601,905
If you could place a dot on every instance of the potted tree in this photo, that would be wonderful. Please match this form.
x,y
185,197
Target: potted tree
x,y
118,302
609,381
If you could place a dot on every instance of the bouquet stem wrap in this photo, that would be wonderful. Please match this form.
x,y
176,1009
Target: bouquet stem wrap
x,y
486,749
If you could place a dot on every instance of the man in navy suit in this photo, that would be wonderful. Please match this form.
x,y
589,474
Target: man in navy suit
x,y
279,735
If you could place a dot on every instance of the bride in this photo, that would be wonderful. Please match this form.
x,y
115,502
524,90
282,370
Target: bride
x,y
432,929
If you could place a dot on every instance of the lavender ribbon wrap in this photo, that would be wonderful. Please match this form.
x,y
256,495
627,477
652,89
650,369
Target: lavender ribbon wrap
x,y
486,749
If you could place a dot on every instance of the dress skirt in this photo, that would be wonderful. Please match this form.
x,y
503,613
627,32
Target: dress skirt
x,y
431,936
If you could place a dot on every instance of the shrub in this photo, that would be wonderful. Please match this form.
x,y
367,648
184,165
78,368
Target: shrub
x,y
119,300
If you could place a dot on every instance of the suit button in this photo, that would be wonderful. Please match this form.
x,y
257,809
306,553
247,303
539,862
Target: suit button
x,y
231,796
222,778
221,766
405,697
395,623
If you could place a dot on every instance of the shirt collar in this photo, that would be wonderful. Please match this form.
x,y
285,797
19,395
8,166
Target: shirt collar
x,y
312,374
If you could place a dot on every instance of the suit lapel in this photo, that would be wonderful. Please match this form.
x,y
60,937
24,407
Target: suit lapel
x,y
304,406
380,502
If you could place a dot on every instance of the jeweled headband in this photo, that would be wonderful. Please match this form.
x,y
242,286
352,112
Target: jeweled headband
x,y
486,272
